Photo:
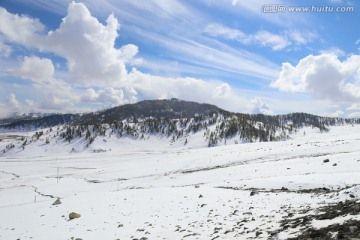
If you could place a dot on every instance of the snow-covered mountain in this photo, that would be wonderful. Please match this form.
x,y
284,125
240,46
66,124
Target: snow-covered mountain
x,y
172,108
172,122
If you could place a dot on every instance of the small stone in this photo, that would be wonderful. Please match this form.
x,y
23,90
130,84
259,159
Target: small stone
x,y
120,225
273,233
74,215
252,193
200,196
57,202
352,195
335,164
326,161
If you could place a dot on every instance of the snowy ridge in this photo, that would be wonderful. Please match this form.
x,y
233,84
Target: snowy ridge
x,y
171,109
200,131
171,122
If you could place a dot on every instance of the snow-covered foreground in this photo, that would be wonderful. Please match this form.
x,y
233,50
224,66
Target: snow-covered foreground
x,y
244,191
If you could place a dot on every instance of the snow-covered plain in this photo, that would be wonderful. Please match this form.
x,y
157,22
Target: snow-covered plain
x,y
153,190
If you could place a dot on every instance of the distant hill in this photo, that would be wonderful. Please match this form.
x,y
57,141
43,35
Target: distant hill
x,y
14,117
172,108
49,120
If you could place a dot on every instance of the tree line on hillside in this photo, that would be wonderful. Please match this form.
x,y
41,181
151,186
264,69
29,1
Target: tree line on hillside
x,y
217,127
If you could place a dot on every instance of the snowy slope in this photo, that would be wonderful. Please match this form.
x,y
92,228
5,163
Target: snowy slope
x,y
154,190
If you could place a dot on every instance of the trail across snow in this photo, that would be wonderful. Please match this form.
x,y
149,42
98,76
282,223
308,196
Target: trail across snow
x,y
151,191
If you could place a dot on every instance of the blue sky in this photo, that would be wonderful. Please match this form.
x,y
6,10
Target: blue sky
x,y
65,56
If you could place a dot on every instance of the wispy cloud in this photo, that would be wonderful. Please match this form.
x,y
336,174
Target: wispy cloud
x,y
276,42
333,50
215,55
216,30
262,37
5,50
301,37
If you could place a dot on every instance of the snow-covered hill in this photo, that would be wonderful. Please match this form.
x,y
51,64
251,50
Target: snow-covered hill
x,y
144,134
161,123
306,186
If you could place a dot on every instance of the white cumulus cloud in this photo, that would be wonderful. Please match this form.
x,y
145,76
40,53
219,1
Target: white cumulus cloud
x,y
36,69
158,87
326,78
259,106
88,47
109,96
354,115
354,106
323,76
337,113
20,28
85,43
12,102
221,91
56,103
